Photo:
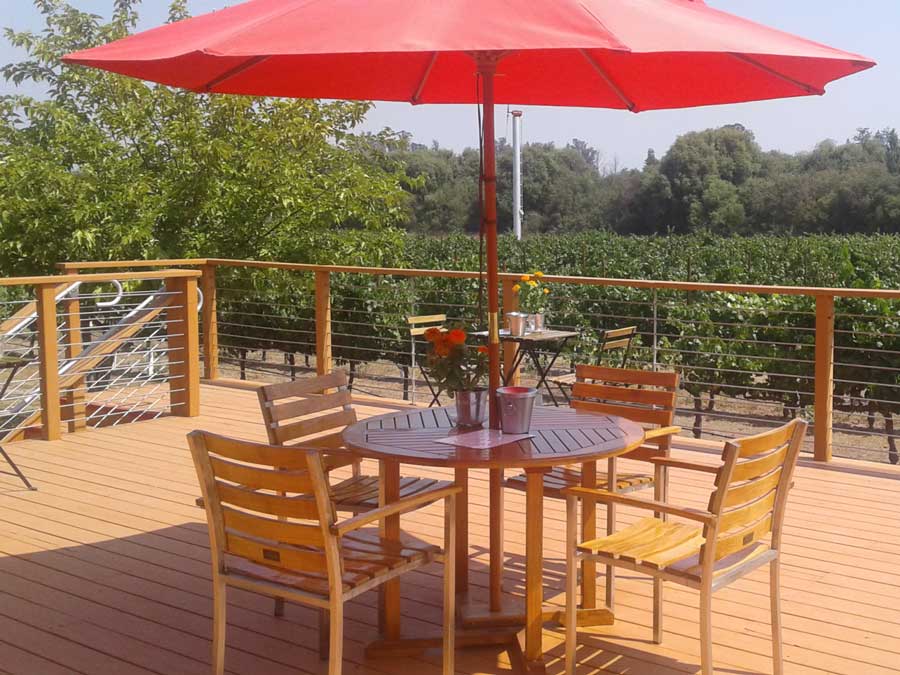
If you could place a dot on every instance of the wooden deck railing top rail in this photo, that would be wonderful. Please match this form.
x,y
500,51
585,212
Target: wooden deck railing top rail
x,y
758,289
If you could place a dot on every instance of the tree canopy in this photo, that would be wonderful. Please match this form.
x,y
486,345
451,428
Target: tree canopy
x,y
109,167
718,180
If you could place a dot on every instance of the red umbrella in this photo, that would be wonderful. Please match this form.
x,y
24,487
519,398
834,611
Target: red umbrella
x,y
629,54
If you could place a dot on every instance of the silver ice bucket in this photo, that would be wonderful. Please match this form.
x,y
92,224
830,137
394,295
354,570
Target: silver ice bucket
x,y
517,323
471,407
516,405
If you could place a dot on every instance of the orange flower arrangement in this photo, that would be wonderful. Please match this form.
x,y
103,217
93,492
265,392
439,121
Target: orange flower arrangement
x,y
452,363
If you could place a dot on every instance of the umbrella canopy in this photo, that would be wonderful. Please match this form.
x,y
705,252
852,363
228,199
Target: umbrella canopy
x,y
628,54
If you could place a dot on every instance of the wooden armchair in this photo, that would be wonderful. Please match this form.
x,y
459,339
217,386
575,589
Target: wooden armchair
x,y
613,391
313,412
720,545
272,530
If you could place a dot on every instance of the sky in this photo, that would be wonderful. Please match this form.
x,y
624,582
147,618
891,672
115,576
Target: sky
x,y
869,99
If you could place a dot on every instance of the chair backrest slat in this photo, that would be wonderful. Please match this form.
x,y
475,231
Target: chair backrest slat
x,y
642,396
307,427
306,386
308,406
627,376
286,532
751,491
748,491
291,410
281,480
300,507
261,511
426,318
631,412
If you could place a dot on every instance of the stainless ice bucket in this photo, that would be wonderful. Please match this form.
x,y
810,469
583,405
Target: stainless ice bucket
x,y
471,407
516,404
517,323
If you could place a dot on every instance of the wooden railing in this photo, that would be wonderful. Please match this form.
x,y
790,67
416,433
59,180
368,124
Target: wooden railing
x,y
824,299
65,360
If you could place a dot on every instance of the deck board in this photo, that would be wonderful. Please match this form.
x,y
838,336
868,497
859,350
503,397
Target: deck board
x,y
106,570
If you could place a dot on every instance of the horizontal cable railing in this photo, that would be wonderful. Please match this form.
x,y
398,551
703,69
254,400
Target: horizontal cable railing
x,y
94,350
750,357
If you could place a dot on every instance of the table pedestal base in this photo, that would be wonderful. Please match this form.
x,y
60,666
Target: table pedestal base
x,y
483,637
477,615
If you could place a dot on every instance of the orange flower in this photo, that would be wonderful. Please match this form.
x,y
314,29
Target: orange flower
x,y
517,288
539,275
546,291
442,348
483,349
456,336
433,334
525,277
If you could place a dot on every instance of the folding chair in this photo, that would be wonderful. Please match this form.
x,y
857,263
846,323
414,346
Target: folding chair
x,y
417,327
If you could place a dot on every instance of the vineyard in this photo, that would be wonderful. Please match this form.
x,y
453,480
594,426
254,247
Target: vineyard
x,y
745,359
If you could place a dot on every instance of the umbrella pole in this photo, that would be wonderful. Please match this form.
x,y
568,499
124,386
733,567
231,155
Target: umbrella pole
x,y
487,66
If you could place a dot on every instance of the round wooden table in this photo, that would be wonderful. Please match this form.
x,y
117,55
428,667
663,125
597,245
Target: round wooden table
x,y
560,436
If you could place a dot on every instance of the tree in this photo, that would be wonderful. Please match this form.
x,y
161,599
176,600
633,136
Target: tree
x,y
109,167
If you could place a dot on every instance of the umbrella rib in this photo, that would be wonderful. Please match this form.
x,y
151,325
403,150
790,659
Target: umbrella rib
x,y
234,72
781,76
418,93
632,107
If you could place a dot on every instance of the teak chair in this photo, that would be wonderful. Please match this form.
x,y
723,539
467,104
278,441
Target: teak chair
x,y
613,391
417,327
294,412
748,503
272,530
609,341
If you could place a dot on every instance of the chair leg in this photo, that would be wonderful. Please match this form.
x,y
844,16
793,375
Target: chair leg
x,y
449,655
571,584
661,487
612,482
706,651
324,636
278,610
220,603
658,611
336,637
775,597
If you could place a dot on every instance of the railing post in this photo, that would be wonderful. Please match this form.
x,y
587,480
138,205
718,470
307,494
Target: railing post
x,y
74,411
48,363
210,323
510,349
824,383
184,349
655,330
323,323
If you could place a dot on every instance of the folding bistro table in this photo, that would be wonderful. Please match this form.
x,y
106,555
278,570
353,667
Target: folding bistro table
x,y
541,347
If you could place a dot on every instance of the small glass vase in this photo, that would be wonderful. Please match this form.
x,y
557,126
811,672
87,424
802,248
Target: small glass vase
x,y
471,407
536,322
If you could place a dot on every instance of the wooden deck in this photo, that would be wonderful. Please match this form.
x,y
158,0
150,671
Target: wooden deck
x,y
105,570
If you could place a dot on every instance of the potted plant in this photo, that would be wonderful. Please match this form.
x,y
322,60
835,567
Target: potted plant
x,y
534,298
459,368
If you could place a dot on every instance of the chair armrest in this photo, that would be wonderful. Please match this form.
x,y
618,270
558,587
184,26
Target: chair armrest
x,y
334,460
661,507
658,435
683,464
394,508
